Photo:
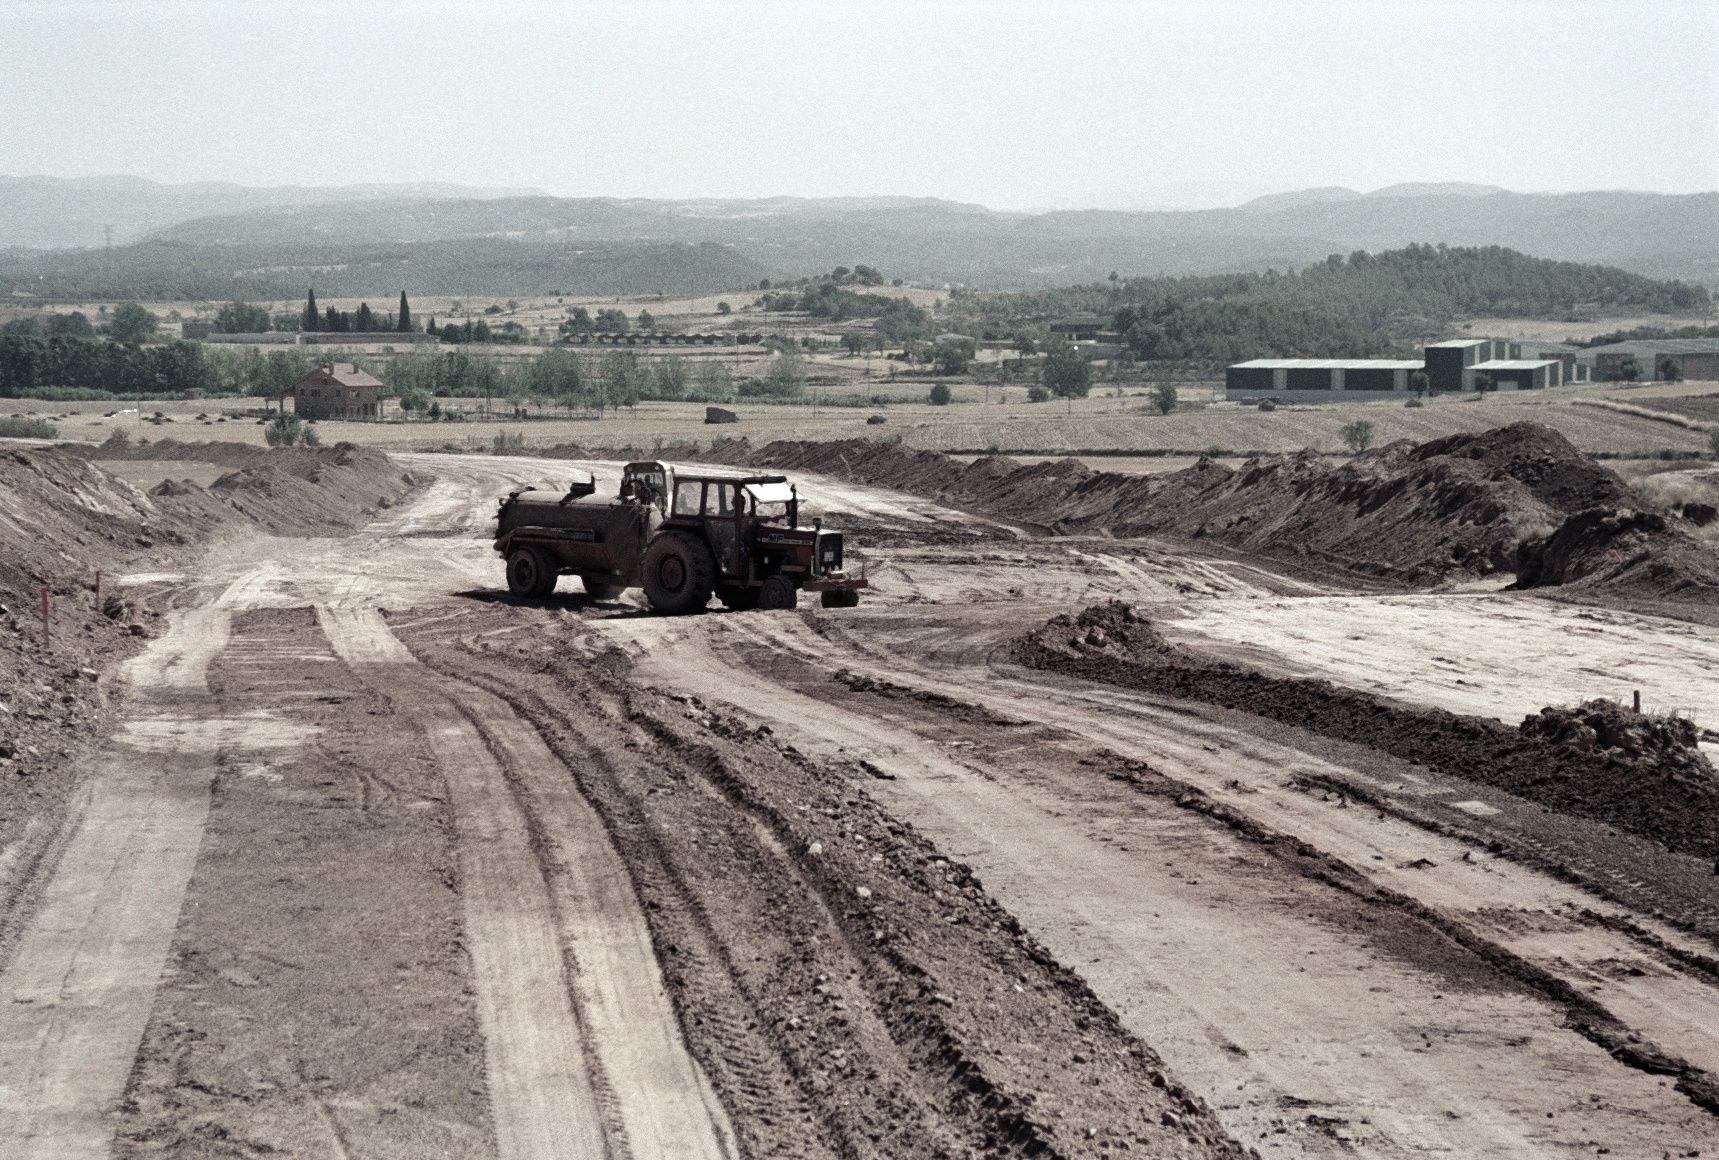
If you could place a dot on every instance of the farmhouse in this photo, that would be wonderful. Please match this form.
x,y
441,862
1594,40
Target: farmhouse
x,y
340,391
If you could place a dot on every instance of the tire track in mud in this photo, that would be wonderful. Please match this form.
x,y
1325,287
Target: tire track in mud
x,y
583,1054
764,638
1182,741
820,996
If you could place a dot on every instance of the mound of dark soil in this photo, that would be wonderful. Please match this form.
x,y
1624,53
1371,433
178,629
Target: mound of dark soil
x,y
1620,551
1537,457
1656,788
1660,747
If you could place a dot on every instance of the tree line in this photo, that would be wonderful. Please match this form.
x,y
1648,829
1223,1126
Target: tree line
x,y
71,368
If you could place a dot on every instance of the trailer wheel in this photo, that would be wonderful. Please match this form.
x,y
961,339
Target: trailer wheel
x,y
529,573
738,597
599,589
778,593
679,573
842,598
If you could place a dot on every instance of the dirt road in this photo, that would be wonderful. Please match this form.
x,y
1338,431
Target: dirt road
x,y
383,865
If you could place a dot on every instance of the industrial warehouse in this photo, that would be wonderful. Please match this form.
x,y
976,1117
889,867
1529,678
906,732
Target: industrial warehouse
x,y
1463,364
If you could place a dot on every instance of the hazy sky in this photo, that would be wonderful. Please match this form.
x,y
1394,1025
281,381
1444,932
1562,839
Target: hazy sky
x,y
1015,105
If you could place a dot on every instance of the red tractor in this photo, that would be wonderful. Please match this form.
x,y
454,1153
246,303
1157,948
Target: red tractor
x,y
682,534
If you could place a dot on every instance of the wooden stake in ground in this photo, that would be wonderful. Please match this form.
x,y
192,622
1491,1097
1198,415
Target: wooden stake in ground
x,y
1638,701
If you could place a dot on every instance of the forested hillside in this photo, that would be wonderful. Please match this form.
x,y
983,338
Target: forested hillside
x,y
1365,305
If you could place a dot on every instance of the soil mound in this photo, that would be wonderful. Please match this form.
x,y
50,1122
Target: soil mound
x,y
1543,461
1665,747
59,514
313,492
297,491
1623,552
1636,774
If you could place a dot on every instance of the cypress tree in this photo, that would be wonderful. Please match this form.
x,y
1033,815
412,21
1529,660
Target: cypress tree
x,y
364,322
312,320
405,323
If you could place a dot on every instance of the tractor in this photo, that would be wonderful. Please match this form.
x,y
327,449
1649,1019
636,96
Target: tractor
x,y
683,534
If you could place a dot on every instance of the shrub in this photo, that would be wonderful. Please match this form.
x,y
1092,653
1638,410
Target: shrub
x,y
308,437
1037,394
1358,435
28,429
1164,398
283,430
940,394
117,440
1267,405
1414,403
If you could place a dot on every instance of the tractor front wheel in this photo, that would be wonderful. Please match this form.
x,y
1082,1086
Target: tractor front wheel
x,y
778,594
529,573
679,573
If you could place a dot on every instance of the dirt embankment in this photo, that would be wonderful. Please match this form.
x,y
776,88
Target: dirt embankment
x,y
1636,773
63,520
286,492
1415,514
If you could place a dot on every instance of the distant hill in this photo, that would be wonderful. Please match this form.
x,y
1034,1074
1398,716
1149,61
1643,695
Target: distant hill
x,y
496,267
56,212
935,241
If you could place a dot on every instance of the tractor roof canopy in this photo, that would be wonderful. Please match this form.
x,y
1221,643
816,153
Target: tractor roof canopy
x,y
702,472
771,492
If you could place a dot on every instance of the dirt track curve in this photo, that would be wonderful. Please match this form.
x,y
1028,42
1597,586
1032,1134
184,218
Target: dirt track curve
x,y
380,863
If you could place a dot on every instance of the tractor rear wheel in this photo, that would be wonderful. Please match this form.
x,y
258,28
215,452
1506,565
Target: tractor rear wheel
x,y
738,597
598,588
842,598
778,593
529,573
679,573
